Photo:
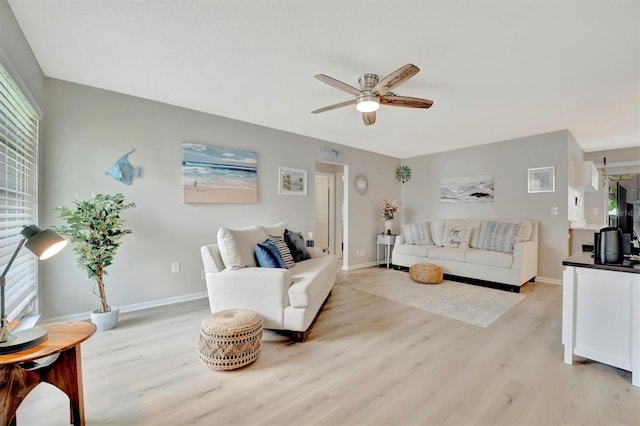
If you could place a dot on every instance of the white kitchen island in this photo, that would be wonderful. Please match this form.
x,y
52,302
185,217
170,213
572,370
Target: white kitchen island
x,y
601,313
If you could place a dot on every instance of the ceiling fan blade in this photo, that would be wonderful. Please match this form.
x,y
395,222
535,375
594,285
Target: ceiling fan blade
x,y
338,84
394,79
369,118
334,106
405,101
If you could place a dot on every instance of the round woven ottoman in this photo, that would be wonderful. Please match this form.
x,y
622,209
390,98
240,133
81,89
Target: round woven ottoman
x,y
425,273
230,339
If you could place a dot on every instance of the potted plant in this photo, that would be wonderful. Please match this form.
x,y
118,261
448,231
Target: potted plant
x,y
94,228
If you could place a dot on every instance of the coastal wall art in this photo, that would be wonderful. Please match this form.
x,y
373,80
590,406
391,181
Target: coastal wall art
x,y
467,189
212,174
292,181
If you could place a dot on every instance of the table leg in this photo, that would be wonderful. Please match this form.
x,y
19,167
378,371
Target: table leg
x,y
65,373
387,251
67,376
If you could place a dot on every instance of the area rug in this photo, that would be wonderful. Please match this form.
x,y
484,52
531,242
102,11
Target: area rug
x,y
476,305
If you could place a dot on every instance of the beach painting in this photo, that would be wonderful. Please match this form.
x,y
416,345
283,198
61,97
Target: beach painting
x,y
212,174
292,181
467,189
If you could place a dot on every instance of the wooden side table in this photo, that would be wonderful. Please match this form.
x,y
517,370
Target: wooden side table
x,y
19,373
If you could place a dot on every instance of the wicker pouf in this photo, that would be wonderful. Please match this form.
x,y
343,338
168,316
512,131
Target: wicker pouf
x,y
230,339
425,273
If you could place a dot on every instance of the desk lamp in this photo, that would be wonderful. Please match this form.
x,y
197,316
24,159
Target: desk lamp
x,y
44,244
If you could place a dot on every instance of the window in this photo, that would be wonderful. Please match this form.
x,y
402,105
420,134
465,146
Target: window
x,y
18,194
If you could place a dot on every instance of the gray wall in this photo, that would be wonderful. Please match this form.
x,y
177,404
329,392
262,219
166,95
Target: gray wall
x,y
17,58
508,162
88,129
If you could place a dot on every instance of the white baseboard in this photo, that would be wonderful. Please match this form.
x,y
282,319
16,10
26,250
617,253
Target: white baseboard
x,y
361,265
134,307
549,280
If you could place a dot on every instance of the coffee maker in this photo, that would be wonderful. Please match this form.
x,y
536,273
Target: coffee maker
x,y
607,246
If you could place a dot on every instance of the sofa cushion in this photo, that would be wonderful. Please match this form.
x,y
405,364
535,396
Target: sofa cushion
x,y
276,229
446,253
456,234
489,258
524,234
297,247
285,253
411,250
417,233
500,236
474,225
268,256
310,279
237,245
437,230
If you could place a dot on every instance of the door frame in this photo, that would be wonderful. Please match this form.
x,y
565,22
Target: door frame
x,y
331,179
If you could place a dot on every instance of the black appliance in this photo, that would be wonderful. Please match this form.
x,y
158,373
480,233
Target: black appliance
x,y
608,248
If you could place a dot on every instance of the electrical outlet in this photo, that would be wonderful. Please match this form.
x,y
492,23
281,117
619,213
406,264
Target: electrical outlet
x,y
175,267
595,211
554,210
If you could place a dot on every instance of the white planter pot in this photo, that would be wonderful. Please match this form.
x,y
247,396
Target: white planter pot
x,y
105,320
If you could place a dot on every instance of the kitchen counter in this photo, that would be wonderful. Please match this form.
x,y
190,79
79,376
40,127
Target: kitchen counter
x,y
601,313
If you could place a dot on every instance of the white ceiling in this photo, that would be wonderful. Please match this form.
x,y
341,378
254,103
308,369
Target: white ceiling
x,y
496,69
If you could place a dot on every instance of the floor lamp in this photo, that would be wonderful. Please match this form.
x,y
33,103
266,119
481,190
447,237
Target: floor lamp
x,y
44,244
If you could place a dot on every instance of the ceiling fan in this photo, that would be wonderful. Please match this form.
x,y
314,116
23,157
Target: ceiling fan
x,y
374,92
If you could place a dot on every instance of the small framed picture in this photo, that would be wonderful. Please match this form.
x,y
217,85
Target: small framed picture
x,y
292,181
542,179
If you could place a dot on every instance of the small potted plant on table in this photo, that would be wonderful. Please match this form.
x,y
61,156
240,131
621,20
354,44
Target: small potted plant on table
x,y
94,228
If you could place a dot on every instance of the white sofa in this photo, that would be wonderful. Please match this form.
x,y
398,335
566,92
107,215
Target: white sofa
x,y
495,252
287,299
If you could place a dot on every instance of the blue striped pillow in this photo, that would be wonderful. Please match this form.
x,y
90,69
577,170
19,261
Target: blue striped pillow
x,y
285,253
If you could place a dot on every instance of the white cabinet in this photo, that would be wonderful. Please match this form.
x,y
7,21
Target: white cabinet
x,y
585,176
601,315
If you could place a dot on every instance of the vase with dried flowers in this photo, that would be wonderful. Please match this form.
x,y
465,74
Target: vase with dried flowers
x,y
388,212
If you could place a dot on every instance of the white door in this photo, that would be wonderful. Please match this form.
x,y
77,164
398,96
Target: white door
x,y
321,222
339,215
324,228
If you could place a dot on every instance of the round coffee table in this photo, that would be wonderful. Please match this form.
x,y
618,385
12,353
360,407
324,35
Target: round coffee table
x,y
22,373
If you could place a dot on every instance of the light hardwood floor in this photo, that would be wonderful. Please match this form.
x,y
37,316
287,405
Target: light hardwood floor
x,y
368,361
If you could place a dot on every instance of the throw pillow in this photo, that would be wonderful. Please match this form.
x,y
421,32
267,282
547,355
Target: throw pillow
x,y
500,236
268,256
276,229
455,236
237,244
285,253
418,233
295,242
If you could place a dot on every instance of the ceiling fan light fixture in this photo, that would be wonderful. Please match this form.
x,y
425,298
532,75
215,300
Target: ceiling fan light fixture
x,y
367,103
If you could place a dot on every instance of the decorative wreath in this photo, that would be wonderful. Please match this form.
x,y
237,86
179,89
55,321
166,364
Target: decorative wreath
x,y
403,173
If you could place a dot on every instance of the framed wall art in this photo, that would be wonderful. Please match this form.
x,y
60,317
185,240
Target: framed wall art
x,y
542,179
292,181
212,174
467,189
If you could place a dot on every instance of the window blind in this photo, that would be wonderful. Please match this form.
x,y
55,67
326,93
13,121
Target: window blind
x,y
18,194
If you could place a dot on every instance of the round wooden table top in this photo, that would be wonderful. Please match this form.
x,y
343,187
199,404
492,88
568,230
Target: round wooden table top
x,y
61,336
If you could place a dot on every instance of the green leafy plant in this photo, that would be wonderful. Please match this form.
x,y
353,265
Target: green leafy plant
x,y
94,228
